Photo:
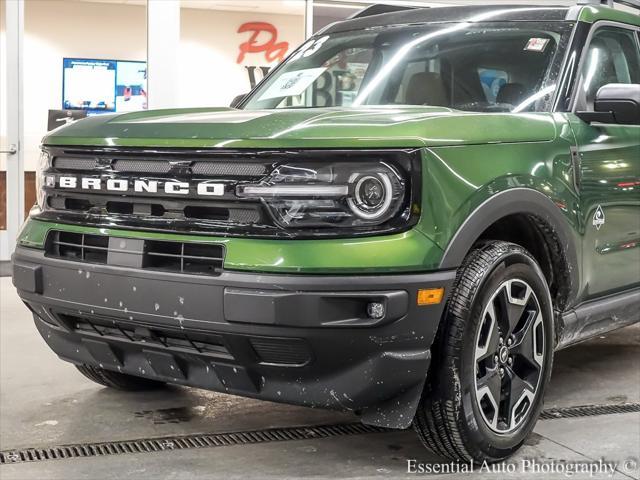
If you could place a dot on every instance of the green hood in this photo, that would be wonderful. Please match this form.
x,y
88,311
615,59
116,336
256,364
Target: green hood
x,y
305,128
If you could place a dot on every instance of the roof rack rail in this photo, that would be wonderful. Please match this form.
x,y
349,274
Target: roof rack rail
x,y
611,3
380,8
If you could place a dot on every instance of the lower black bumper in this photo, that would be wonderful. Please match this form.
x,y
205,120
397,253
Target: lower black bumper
x,y
298,339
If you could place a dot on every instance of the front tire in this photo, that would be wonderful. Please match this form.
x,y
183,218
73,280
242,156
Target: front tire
x,y
492,358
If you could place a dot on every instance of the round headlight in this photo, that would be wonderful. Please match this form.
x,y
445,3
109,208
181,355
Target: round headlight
x,y
372,196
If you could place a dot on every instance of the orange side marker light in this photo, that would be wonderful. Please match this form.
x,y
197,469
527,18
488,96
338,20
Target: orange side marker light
x,y
430,296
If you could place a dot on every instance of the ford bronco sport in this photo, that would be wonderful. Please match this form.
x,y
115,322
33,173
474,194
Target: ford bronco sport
x,y
405,219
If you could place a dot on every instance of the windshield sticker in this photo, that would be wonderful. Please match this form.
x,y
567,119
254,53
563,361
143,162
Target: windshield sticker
x,y
291,84
309,48
537,44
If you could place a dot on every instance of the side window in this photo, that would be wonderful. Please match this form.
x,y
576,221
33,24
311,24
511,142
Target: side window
x,y
612,57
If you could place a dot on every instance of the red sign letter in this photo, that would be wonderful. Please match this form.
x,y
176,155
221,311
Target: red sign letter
x,y
273,51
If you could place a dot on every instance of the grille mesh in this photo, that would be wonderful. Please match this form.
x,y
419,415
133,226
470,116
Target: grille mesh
x,y
230,169
141,166
163,166
74,163
281,351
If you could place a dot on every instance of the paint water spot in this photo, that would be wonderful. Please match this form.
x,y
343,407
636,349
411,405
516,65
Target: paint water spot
x,y
79,271
120,303
181,300
52,423
88,275
135,288
156,306
106,300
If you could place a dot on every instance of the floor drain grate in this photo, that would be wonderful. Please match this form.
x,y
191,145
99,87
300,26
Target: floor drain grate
x,y
589,411
183,442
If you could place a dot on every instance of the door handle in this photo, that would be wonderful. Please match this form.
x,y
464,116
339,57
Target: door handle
x,y
12,150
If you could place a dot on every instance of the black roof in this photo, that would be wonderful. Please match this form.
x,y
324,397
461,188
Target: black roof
x,y
487,13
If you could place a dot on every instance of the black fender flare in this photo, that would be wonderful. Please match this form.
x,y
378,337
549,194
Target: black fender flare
x,y
509,202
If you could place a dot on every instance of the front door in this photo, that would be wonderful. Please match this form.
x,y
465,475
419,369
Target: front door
x,y
608,167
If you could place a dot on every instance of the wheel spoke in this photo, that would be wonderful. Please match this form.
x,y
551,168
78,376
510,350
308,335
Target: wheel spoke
x,y
516,389
523,346
512,306
489,341
488,393
493,382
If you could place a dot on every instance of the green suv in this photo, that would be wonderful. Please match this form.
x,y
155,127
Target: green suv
x,y
404,219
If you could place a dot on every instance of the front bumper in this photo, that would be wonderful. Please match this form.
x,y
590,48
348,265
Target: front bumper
x,y
296,339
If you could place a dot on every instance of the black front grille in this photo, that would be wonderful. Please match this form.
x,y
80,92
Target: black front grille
x,y
156,209
195,191
181,257
206,344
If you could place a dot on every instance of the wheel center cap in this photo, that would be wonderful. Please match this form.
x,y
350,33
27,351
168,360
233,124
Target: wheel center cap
x,y
503,354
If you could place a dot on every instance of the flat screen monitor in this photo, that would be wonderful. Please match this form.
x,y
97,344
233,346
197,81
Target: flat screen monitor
x,y
131,86
98,85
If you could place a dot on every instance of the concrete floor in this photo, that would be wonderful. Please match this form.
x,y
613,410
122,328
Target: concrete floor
x,y
44,401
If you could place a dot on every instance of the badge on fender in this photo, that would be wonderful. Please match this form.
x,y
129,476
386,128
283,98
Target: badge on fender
x,y
598,218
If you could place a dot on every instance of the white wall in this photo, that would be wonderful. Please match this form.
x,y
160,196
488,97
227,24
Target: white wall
x,y
55,29
208,73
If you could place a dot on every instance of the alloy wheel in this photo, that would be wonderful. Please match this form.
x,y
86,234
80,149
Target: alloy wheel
x,y
509,356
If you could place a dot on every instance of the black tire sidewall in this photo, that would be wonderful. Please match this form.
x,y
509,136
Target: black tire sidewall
x,y
509,266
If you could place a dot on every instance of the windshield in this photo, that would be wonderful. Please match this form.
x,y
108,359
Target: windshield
x,y
480,67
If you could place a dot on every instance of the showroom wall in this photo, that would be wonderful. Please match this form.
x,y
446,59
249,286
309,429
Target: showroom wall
x,y
209,47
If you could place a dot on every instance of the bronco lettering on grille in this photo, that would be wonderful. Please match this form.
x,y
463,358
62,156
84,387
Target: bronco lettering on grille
x,y
171,187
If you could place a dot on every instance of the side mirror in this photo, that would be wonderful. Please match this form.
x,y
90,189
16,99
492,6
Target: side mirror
x,y
237,100
615,103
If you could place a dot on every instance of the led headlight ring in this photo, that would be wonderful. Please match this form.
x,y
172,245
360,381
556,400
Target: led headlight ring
x,y
373,195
